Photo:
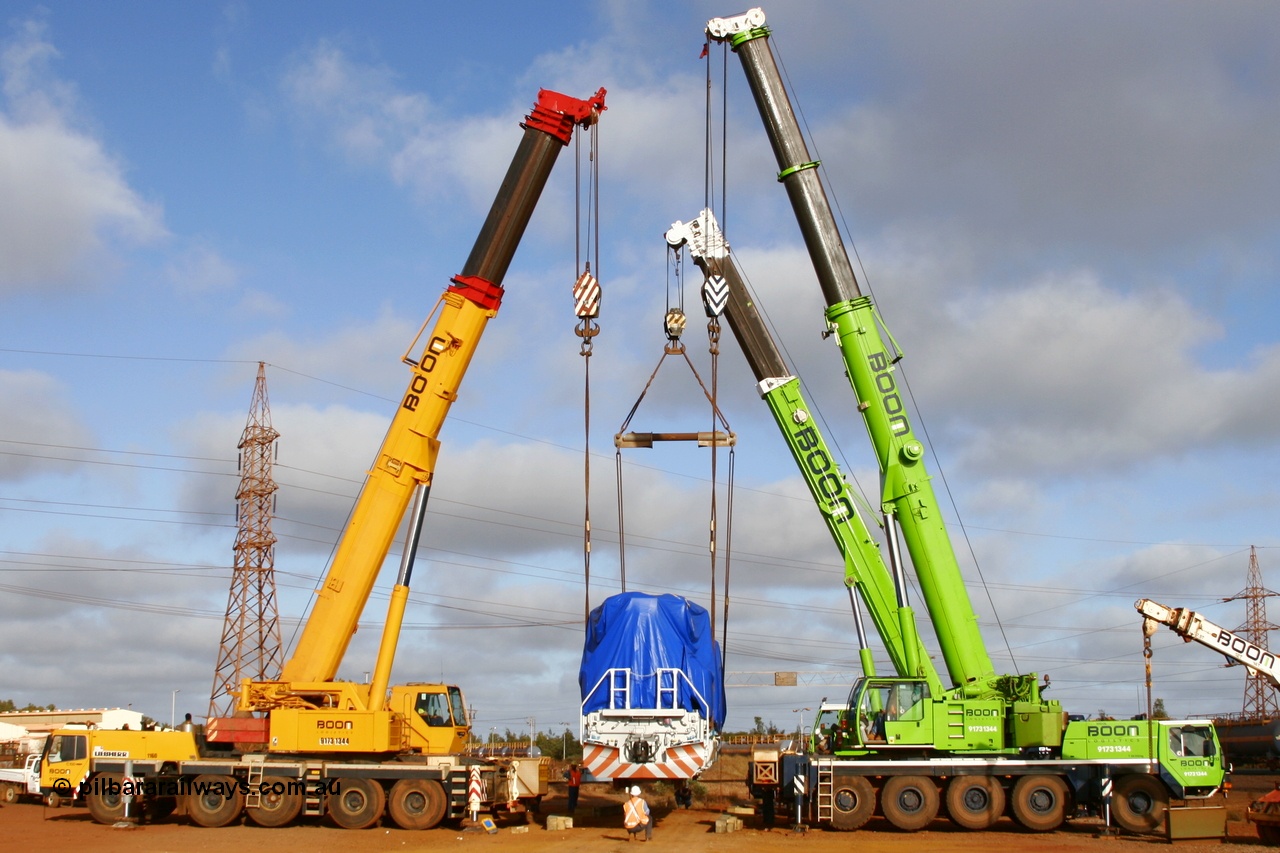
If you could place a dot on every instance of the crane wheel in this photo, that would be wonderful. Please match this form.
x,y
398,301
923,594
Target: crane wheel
x,y
852,804
1140,803
909,802
357,803
106,807
975,802
214,800
1040,803
417,803
279,802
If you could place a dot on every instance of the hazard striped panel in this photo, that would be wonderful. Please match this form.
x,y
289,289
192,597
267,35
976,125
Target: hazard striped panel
x,y
679,762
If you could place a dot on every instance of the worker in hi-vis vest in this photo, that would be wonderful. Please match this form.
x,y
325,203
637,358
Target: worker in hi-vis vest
x,y
635,816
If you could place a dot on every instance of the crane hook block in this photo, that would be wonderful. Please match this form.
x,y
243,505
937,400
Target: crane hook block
x,y
674,324
715,295
586,297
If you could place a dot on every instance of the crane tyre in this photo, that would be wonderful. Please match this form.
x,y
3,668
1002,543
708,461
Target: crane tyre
x,y
279,802
214,800
1040,802
106,807
975,802
853,803
357,804
417,803
1140,803
909,802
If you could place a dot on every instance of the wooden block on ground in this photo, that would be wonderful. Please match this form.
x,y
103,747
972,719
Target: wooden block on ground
x,y
728,823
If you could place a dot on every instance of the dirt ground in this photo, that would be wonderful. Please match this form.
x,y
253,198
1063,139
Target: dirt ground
x,y
597,827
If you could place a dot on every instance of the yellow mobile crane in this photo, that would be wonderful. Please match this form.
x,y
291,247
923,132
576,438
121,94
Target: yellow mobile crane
x,y
333,747
306,710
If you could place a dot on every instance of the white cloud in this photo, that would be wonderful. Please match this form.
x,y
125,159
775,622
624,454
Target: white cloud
x,y
369,118
64,201
322,455
1063,372
361,354
256,303
38,411
202,269
372,120
1103,126
1102,378
977,151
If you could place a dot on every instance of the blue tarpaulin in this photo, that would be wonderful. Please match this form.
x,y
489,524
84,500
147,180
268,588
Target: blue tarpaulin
x,y
645,633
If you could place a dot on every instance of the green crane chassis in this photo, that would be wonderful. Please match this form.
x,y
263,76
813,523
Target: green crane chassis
x,y
1128,772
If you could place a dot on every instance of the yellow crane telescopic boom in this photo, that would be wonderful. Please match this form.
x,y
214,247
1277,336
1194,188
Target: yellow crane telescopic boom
x,y
407,459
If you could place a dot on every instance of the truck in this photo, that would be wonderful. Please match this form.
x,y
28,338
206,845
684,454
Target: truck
x,y
19,782
1245,740
1242,739
309,743
906,742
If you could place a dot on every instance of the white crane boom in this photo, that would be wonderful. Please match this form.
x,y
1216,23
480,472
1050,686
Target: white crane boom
x,y
1190,625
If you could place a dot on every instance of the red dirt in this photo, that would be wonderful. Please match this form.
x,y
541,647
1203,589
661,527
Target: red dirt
x,y
597,826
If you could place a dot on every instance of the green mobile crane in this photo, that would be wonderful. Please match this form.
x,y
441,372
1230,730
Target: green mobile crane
x,y
908,741
985,739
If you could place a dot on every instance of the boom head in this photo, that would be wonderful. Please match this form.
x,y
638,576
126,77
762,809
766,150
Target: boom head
x,y
722,29
558,114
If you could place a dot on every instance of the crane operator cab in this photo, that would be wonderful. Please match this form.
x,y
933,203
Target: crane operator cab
x,y
436,717
433,708
884,705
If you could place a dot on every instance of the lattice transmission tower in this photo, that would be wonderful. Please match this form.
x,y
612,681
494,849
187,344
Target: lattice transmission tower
x,y
1259,696
251,645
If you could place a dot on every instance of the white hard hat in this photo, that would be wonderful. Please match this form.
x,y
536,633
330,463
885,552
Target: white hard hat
x,y
635,790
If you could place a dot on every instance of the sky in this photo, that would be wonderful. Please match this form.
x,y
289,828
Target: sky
x,y
1066,212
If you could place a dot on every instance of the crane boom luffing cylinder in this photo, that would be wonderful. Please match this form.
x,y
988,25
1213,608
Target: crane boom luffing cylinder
x,y
402,470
